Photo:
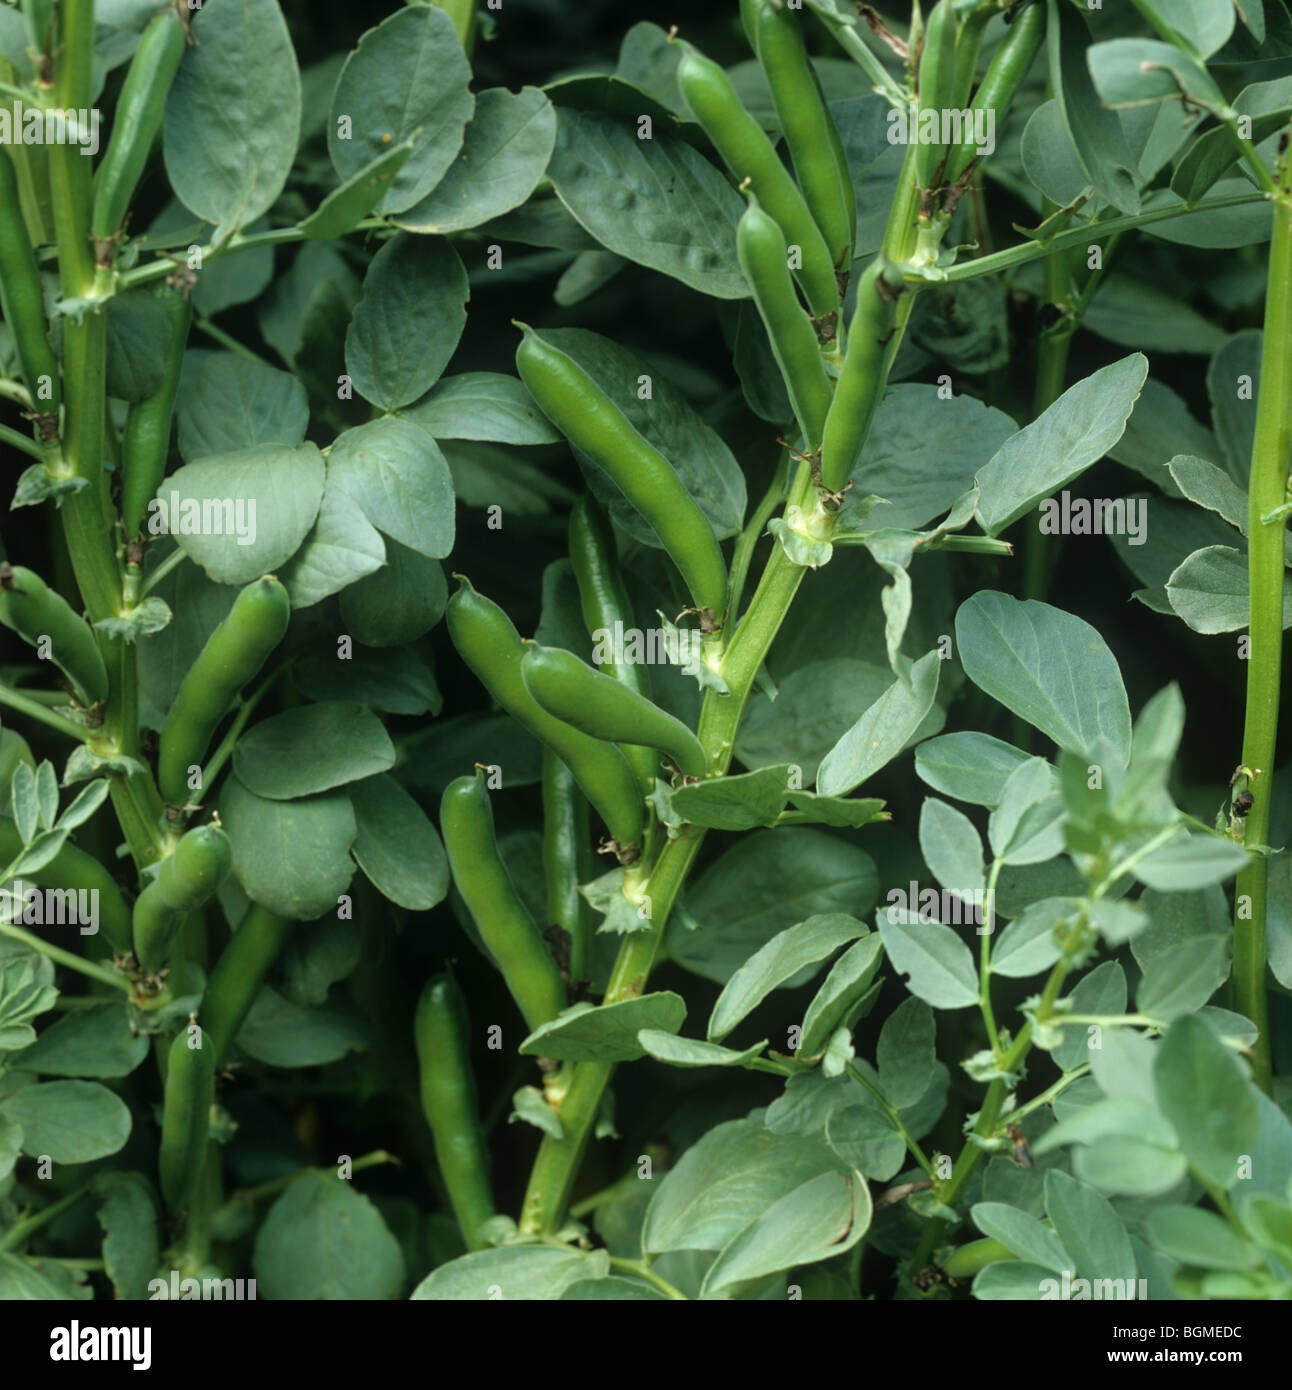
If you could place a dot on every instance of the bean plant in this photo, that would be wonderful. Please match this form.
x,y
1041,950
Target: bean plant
x,y
647,661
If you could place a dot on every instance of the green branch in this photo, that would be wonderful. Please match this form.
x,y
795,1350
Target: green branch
x,y
1083,235
66,958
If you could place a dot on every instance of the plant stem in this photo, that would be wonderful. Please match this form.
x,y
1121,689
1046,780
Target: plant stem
x,y
18,1233
989,1116
894,1115
1081,235
66,958
639,1269
87,519
277,1185
33,709
984,964
743,551
224,751
172,561
276,236
23,443
557,1164
1267,490
227,340
854,46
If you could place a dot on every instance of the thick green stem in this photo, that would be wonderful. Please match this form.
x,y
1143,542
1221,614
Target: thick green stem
x,y
557,1164
1267,491
87,518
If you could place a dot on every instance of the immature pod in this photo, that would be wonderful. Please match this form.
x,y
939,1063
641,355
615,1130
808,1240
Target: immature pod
x,y
492,648
860,387
591,421
567,858
606,610
1008,67
449,1103
937,87
600,706
810,135
232,656
749,154
965,1261
137,120
602,596
761,249
36,613
74,871
147,437
968,45
187,879
40,21
503,921
231,988
22,297
186,1117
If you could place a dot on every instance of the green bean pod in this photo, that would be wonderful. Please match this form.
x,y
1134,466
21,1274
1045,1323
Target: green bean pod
x,y
1005,73
148,426
35,612
503,921
937,87
231,988
604,603
40,18
232,656
602,596
860,387
186,1118
22,298
749,154
967,1260
187,879
137,120
492,648
449,1103
567,858
761,249
600,706
591,421
810,134
73,870
968,46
